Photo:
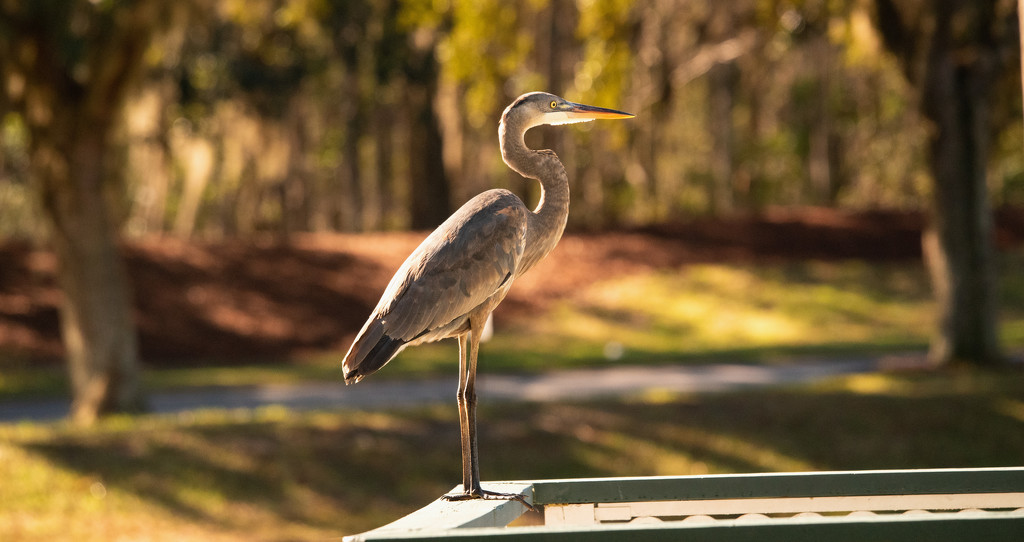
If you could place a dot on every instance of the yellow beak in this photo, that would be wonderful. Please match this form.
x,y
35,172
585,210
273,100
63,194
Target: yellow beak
x,y
589,112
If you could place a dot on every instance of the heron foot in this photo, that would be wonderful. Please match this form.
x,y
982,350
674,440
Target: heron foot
x,y
487,495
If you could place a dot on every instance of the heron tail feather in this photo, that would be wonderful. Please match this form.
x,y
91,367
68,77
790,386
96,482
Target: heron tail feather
x,y
371,351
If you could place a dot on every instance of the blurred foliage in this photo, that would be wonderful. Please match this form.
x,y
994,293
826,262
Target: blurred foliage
x,y
296,115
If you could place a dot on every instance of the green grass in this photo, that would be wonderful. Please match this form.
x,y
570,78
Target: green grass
x,y
27,382
274,474
763,313
711,310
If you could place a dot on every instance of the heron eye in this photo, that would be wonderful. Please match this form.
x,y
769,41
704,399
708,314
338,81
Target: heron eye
x,y
554,104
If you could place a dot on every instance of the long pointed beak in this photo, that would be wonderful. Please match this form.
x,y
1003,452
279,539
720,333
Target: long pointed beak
x,y
589,112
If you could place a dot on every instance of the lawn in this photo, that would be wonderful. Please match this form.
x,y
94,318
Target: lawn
x,y
274,474
757,313
698,313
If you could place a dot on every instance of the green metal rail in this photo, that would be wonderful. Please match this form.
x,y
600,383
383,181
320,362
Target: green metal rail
x,y
935,505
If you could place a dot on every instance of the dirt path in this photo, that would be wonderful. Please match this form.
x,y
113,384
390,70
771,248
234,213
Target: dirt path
x,y
566,385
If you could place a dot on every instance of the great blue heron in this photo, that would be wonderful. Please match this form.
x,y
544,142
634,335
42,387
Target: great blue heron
x,y
450,284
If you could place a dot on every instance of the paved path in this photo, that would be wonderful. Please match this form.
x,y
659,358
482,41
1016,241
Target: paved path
x,y
559,385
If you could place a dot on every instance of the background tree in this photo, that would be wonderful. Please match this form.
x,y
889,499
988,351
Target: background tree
x,y
301,115
67,67
956,54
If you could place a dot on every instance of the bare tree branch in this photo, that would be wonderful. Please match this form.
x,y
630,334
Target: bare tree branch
x,y
709,56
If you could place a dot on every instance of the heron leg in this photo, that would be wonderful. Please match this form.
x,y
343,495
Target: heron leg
x,y
469,347
464,428
474,455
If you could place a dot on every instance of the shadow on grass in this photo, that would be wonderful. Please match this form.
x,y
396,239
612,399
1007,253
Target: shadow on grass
x,y
327,472
982,425
345,472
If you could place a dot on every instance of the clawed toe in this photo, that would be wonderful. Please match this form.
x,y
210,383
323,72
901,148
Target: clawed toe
x,y
452,497
487,495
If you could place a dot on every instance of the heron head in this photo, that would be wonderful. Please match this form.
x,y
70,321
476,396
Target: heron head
x,y
536,108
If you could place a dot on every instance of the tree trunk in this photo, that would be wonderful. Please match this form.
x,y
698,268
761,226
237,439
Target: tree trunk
x,y
351,201
822,156
75,62
429,202
1020,32
958,246
96,318
722,81
950,54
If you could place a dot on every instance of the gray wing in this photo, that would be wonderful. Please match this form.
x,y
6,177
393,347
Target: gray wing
x,y
464,262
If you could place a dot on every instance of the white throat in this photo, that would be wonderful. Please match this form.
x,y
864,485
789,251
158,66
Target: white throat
x,y
556,118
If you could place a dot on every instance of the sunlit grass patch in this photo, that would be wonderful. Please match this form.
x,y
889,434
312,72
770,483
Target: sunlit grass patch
x,y
721,308
27,380
1012,333
702,313
1011,283
953,382
1013,408
319,368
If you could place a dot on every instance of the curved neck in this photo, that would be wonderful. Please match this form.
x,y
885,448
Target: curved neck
x,y
547,222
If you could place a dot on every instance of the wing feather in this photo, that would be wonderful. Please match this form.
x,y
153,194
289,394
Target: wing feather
x,y
463,263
